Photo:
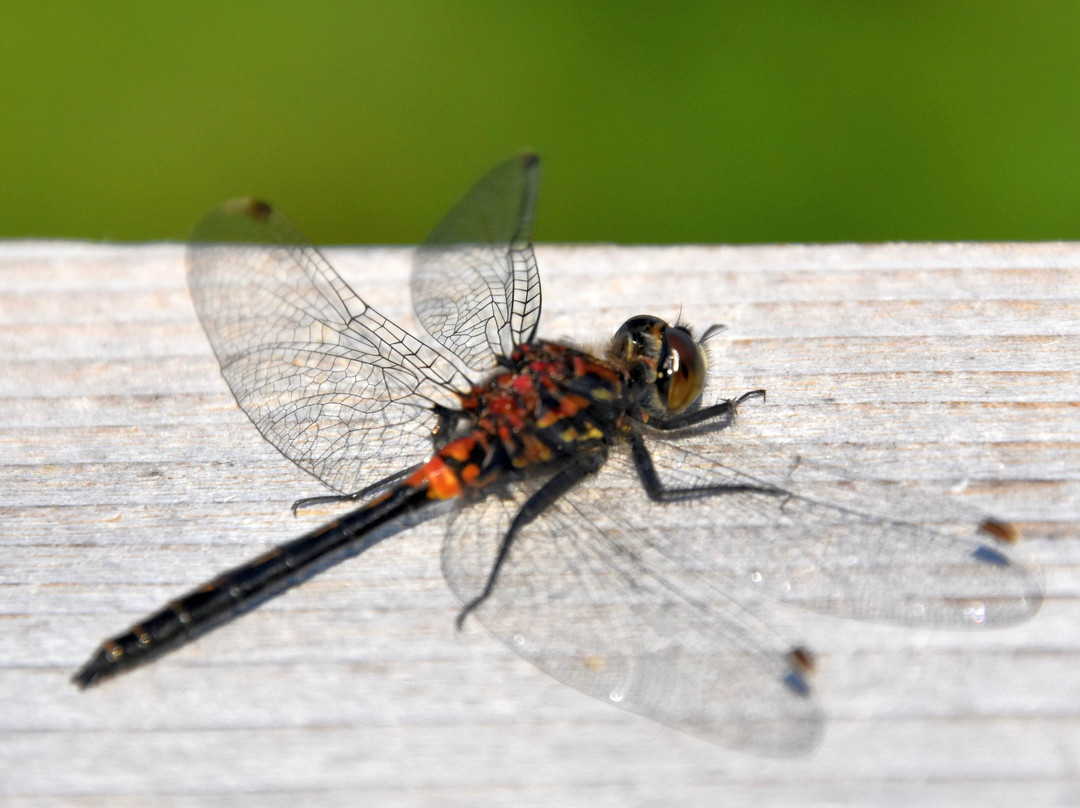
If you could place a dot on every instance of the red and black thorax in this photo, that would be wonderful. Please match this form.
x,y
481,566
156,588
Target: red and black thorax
x,y
549,401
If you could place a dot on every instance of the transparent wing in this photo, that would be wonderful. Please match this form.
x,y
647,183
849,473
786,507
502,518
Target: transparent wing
x,y
475,286
662,607
841,545
323,376
592,597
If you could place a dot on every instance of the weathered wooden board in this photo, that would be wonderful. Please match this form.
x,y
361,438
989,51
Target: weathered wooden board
x,y
128,475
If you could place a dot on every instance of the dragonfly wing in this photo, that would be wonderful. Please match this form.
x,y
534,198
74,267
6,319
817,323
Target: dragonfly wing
x,y
841,545
475,286
323,376
590,598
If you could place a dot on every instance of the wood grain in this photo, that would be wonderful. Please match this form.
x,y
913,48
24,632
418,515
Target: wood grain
x,y
128,475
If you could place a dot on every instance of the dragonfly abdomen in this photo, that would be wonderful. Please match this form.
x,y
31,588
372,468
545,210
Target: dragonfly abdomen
x,y
245,586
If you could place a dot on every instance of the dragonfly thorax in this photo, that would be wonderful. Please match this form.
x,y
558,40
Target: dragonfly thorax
x,y
559,394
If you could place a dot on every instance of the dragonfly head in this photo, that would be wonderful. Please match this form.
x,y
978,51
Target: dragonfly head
x,y
666,364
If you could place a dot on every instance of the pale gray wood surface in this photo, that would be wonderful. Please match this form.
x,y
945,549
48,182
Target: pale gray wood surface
x,y
128,475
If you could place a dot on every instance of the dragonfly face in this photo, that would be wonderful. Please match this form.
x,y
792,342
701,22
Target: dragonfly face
x,y
666,364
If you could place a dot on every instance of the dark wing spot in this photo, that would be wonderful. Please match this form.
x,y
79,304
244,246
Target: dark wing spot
x,y
1002,531
257,209
802,659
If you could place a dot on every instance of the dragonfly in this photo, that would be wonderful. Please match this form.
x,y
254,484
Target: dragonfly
x,y
607,521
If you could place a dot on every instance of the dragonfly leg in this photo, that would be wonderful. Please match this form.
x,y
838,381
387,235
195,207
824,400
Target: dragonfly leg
x,y
578,468
725,410
656,490
363,493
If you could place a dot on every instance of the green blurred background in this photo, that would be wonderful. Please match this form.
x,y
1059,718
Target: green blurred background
x,y
709,122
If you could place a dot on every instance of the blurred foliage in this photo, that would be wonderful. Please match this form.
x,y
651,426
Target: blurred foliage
x,y
708,122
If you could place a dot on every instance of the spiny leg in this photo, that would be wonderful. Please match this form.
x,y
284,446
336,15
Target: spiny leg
x,y
444,429
578,468
363,493
656,491
725,410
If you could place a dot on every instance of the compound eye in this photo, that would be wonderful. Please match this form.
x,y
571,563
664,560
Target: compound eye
x,y
636,338
682,373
